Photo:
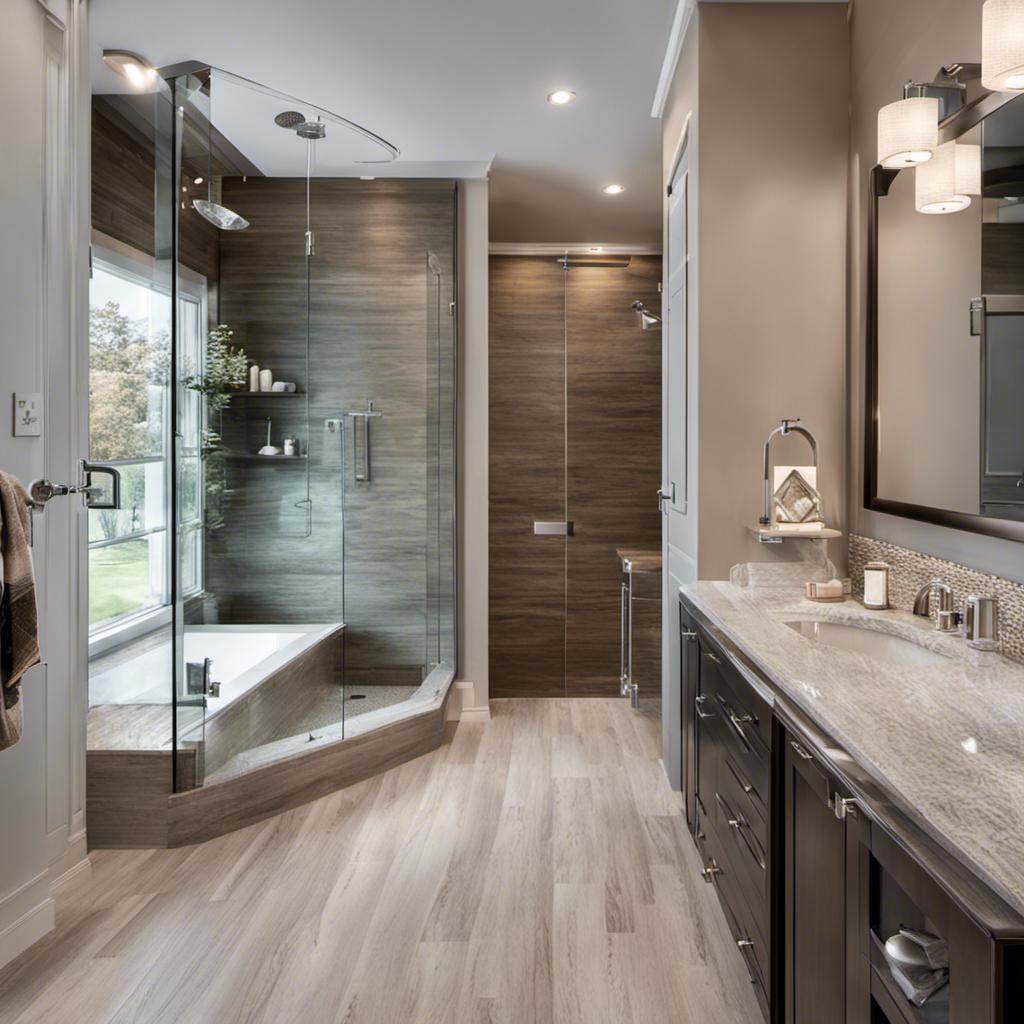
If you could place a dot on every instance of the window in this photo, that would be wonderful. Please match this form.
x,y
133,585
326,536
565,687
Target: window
x,y
129,408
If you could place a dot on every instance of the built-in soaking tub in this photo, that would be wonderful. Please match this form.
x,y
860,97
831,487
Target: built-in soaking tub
x,y
276,736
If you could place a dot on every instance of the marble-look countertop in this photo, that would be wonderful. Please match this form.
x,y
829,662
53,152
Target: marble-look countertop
x,y
947,741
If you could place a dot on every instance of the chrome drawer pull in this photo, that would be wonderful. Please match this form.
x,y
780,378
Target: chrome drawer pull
x,y
737,775
708,873
701,713
736,722
714,657
801,751
744,945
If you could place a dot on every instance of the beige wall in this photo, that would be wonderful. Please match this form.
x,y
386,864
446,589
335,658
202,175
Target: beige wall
x,y
891,43
771,202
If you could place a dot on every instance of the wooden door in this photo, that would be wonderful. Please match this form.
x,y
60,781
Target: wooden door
x,y
575,424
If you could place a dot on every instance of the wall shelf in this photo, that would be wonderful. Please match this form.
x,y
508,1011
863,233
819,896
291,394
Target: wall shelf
x,y
777,534
267,394
246,457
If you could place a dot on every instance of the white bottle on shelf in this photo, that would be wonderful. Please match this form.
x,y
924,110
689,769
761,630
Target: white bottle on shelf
x,y
266,380
254,378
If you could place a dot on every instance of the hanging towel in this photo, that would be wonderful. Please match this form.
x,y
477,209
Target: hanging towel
x,y
19,618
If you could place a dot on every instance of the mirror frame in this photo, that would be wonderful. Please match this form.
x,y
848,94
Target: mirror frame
x,y
879,182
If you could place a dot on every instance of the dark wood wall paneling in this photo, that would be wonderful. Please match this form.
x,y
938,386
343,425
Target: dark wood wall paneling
x,y
575,434
123,191
369,340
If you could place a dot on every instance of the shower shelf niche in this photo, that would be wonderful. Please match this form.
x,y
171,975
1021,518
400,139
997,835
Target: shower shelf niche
x,y
268,394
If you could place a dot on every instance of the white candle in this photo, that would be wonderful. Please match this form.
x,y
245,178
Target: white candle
x,y
254,378
876,585
266,380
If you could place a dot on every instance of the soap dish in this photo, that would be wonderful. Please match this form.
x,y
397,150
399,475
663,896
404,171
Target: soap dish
x,y
832,592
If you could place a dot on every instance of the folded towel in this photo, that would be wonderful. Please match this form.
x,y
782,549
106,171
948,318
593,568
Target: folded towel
x,y
19,618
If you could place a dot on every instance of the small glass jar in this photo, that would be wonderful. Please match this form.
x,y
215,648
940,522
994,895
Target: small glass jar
x,y
876,585
291,446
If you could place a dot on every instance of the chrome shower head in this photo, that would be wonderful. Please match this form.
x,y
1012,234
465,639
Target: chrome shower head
x,y
289,119
648,321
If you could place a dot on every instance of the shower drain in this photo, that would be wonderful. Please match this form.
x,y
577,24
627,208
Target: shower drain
x,y
357,696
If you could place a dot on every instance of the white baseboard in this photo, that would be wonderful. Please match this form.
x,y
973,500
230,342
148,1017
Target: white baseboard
x,y
68,857
481,714
32,923
80,871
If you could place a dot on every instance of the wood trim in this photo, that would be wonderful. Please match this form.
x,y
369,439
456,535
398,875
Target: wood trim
x,y
129,792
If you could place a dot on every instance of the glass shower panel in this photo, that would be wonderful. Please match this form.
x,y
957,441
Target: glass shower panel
x,y
313,403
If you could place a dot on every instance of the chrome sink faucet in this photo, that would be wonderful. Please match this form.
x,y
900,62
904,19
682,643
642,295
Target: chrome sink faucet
x,y
980,616
947,620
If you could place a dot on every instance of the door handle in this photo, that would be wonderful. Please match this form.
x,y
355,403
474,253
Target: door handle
x,y
554,529
663,496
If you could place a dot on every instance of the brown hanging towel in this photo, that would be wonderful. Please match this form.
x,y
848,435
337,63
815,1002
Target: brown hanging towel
x,y
19,617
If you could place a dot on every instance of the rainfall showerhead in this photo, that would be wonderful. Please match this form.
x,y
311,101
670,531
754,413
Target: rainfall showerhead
x,y
220,216
297,122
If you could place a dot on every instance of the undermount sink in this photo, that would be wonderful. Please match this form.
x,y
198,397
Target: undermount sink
x,y
893,650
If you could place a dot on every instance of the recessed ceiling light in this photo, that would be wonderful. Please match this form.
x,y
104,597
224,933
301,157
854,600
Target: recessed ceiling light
x,y
595,248
367,177
613,190
198,181
561,97
136,69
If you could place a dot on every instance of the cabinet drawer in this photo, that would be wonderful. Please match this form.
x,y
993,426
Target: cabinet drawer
x,y
742,748
752,827
748,933
752,711
745,856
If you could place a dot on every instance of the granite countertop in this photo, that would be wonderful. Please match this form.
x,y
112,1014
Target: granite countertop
x,y
948,741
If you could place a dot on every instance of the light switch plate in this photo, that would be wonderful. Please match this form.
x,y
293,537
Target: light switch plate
x,y
28,414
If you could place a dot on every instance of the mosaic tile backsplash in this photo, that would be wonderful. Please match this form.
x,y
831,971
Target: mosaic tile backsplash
x,y
910,570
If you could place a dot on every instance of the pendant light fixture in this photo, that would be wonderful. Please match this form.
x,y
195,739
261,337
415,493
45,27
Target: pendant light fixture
x,y
1002,45
935,183
908,132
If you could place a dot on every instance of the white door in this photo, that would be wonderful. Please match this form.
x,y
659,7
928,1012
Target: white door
x,y
679,531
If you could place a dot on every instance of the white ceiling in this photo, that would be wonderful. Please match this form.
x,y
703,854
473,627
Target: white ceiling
x,y
457,85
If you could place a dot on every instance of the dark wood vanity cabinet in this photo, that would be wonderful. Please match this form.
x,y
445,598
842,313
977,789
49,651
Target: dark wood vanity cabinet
x,y
732,827
815,867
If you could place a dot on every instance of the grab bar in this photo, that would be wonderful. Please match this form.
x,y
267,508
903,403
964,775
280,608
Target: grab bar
x,y
366,415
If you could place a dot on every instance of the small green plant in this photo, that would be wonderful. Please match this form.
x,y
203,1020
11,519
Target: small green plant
x,y
226,370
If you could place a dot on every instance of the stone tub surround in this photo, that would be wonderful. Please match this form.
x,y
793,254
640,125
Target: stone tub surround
x,y
910,570
947,742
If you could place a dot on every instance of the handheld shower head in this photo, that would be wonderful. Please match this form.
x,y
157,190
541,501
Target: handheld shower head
x,y
648,321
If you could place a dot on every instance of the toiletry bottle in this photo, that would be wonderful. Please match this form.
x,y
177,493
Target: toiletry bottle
x,y
876,585
254,378
266,380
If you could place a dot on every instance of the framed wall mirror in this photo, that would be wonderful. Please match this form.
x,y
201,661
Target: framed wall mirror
x,y
944,437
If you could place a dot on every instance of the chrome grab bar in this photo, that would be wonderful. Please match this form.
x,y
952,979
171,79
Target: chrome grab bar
x,y
365,415
623,676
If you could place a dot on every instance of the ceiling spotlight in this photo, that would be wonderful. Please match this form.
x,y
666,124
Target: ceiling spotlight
x,y
613,190
136,69
198,181
596,248
561,97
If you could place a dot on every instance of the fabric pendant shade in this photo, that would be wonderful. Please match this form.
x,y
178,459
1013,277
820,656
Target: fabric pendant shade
x,y
908,131
968,169
1002,45
935,183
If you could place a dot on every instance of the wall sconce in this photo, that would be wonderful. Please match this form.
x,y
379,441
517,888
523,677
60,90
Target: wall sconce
x,y
968,169
935,184
1002,45
908,131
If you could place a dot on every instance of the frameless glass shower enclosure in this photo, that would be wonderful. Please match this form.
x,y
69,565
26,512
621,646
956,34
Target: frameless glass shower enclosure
x,y
308,456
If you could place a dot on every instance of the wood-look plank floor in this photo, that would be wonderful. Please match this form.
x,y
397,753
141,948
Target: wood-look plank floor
x,y
534,869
